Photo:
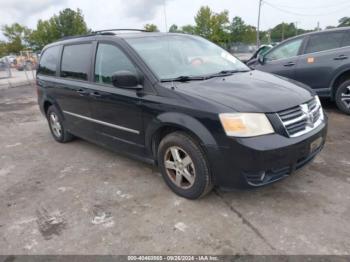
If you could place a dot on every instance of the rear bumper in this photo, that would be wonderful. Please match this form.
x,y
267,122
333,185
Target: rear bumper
x,y
258,161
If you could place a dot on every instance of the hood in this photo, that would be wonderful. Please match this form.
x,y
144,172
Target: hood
x,y
252,91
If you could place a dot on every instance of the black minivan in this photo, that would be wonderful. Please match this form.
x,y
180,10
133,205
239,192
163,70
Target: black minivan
x,y
182,103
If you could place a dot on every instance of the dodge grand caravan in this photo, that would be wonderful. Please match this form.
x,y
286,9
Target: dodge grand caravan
x,y
182,103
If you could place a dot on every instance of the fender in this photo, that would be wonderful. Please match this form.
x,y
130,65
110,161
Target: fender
x,y
182,121
52,101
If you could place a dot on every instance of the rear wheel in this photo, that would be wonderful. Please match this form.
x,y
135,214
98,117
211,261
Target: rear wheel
x,y
184,166
58,131
342,97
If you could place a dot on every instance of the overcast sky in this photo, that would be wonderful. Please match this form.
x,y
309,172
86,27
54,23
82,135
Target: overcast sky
x,y
102,14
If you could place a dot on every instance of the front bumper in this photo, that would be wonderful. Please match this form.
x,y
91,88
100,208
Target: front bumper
x,y
258,161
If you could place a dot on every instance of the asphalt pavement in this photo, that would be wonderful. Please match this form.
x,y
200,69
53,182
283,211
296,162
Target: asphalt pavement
x,y
79,198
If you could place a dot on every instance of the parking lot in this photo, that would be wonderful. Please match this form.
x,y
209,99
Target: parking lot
x,y
78,198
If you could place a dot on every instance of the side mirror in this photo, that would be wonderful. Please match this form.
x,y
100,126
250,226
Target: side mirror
x,y
261,59
126,79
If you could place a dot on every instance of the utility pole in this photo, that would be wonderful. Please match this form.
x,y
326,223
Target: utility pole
x,y
296,28
165,18
258,28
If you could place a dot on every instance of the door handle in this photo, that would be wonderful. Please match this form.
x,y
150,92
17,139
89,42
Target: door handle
x,y
341,57
81,92
289,64
95,94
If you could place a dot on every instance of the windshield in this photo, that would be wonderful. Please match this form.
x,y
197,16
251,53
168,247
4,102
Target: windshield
x,y
173,56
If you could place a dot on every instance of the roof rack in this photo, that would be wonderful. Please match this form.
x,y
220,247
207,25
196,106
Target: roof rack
x,y
110,31
101,32
74,36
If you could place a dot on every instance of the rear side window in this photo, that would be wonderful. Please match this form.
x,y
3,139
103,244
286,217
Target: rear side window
x,y
110,59
76,61
48,61
323,42
346,40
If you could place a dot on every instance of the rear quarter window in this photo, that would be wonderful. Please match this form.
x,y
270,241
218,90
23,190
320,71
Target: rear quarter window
x,y
76,61
323,42
346,40
48,61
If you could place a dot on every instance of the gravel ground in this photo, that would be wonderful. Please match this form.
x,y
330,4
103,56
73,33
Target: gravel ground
x,y
78,198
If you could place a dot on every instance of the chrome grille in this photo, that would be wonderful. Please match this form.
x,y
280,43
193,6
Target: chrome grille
x,y
301,119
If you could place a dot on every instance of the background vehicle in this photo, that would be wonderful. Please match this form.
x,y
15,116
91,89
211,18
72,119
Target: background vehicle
x,y
262,50
27,60
320,60
2,65
183,103
243,51
5,66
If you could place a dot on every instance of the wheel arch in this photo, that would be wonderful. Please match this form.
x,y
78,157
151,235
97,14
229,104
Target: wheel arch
x,y
340,78
49,102
167,123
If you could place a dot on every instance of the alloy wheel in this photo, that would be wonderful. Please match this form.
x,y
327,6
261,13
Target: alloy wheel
x,y
345,97
55,125
179,167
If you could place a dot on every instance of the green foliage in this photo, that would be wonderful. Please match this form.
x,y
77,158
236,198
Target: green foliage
x,y
284,30
67,23
240,32
3,49
203,22
45,33
345,21
213,26
70,22
17,37
151,28
188,29
220,28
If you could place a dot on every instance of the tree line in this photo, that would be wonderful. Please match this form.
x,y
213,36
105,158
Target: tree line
x,y
19,37
217,27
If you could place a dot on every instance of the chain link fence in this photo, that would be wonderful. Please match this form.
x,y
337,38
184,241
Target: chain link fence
x,y
5,68
12,75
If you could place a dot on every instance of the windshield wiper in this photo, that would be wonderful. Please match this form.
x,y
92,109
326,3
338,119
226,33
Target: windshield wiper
x,y
184,79
227,73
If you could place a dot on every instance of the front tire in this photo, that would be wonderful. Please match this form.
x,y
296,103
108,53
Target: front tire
x,y
342,97
58,131
183,165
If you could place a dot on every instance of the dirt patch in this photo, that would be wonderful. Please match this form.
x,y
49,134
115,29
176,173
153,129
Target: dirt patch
x,y
6,107
50,223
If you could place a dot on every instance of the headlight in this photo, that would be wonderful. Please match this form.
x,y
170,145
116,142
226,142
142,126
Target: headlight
x,y
318,102
245,124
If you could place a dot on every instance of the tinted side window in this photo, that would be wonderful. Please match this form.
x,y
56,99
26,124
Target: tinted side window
x,y
346,40
76,61
324,42
110,59
48,61
286,50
